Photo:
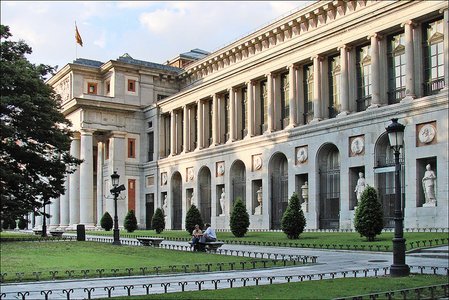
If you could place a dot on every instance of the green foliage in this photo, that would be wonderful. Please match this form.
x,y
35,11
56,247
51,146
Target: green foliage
x,y
293,220
106,221
158,222
130,223
369,215
193,217
23,223
239,219
9,223
34,134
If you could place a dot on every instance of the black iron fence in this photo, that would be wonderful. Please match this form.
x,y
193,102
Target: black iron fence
x,y
181,286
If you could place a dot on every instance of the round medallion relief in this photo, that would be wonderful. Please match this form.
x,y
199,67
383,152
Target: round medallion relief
x,y
357,145
426,134
302,155
221,169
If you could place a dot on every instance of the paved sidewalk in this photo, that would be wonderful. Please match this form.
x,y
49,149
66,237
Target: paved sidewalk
x,y
330,264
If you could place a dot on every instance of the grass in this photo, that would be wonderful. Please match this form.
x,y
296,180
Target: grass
x,y
70,258
326,240
323,289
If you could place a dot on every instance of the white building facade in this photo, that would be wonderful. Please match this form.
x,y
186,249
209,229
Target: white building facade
x,y
300,105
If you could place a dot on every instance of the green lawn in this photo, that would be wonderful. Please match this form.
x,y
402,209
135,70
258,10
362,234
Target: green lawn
x,y
63,256
323,289
326,240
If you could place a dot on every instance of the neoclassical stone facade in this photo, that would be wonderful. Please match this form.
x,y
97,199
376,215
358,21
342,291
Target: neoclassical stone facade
x,y
300,105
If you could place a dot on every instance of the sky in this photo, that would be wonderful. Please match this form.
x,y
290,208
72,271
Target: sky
x,y
146,30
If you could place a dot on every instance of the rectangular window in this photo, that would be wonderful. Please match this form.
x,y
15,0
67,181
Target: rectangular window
x,y
364,80
227,117
108,87
131,148
131,85
263,106
308,93
244,110
92,88
107,149
285,103
150,146
334,86
396,68
433,57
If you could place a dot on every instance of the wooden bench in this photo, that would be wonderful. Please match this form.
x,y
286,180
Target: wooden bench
x,y
149,241
210,246
57,233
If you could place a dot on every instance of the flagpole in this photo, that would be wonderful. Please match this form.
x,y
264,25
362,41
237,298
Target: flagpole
x,y
76,47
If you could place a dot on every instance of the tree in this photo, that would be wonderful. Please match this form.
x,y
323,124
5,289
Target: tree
x,y
106,221
34,134
369,220
193,217
293,220
130,223
158,222
239,221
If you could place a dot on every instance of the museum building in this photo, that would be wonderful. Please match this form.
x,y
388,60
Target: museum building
x,y
300,105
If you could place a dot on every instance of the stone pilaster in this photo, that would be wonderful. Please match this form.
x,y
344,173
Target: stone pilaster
x,y
215,120
64,202
200,125
232,115
317,89
375,67
250,95
270,110
293,122
86,179
100,195
344,80
172,133
409,58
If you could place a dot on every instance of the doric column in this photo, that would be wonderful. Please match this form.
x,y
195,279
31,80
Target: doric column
x,y
100,195
292,96
54,213
270,110
446,47
215,120
250,95
74,187
172,133
375,66
86,180
186,129
344,81
200,125
317,88
232,114
409,58
64,200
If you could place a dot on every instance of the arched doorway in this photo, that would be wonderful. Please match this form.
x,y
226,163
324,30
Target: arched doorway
x,y
204,200
238,182
278,169
385,169
176,189
329,187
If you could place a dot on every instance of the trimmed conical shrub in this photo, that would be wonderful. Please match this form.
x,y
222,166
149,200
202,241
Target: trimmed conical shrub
x,y
293,220
369,215
193,217
23,223
239,219
130,223
106,221
158,222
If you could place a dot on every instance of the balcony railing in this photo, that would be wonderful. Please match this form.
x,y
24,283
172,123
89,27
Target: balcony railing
x,y
395,96
434,86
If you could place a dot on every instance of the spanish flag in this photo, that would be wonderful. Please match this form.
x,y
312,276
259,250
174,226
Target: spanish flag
x,y
78,38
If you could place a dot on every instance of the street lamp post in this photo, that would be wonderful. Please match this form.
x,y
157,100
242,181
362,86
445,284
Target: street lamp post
x,y
116,191
399,268
44,222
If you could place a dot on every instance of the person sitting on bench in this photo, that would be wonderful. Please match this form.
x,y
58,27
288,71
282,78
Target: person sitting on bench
x,y
208,236
196,236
